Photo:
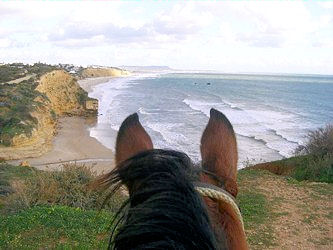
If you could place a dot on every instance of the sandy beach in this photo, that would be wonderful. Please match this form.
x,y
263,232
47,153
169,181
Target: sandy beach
x,y
88,83
74,144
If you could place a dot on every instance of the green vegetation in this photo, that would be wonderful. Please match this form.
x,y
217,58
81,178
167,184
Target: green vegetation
x,y
304,167
59,209
272,208
9,173
314,168
313,161
255,208
13,71
317,164
68,187
55,227
319,143
82,96
17,101
53,209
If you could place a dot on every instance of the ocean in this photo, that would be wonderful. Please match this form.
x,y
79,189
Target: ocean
x,y
271,114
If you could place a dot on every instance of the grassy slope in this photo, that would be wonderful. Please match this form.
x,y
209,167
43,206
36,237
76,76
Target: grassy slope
x,y
305,167
279,212
44,226
55,227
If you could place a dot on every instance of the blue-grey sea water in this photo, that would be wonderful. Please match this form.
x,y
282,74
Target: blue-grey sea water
x,y
271,114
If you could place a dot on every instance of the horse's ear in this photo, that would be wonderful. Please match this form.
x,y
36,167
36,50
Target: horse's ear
x,y
219,150
131,139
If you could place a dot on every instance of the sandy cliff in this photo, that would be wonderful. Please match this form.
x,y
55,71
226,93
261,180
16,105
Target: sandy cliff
x,y
102,72
63,97
63,91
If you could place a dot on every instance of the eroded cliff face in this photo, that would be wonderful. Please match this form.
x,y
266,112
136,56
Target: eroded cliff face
x,y
102,72
63,91
63,96
36,144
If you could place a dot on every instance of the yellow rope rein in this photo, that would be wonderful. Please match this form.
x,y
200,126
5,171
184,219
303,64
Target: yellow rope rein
x,y
221,196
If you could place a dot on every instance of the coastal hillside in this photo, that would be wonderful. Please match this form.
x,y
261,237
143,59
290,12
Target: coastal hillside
x,y
102,72
57,209
285,204
29,110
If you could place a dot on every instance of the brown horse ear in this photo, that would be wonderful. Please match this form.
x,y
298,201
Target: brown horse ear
x,y
131,139
219,150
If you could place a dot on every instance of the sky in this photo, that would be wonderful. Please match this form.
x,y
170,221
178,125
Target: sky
x,y
226,36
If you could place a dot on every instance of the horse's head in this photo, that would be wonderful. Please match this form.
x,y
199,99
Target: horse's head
x,y
162,193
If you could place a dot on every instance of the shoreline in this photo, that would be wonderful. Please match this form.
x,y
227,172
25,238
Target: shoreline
x,y
88,83
73,142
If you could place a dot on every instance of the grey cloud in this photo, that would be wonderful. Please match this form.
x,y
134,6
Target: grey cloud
x,y
110,32
178,29
262,39
6,10
74,32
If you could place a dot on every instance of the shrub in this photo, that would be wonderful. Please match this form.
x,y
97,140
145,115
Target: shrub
x,y
317,164
320,142
67,187
81,96
53,115
16,117
315,168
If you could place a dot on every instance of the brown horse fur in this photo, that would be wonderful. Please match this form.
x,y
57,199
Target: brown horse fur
x,y
219,158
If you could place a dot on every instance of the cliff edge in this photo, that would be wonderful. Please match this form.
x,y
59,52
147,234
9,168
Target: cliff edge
x,y
102,72
58,94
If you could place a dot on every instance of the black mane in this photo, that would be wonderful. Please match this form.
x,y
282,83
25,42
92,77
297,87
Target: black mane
x,y
164,211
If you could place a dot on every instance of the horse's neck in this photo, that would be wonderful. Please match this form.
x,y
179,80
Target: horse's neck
x,y
225,226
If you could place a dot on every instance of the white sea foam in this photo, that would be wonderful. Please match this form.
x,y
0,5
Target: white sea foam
x,y
260,125
167,130
201,106
106,92
263,132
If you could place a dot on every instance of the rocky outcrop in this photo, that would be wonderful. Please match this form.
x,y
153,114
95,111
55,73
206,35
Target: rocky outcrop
x,y
62,95
102,72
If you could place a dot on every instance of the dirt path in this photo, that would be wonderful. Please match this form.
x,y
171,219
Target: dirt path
x,y
300,213
21,79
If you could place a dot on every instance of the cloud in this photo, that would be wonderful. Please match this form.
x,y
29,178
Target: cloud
x,y
265,24
85,34
181,22
5,42
323,43
6,10
326,5
228,35
262,39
